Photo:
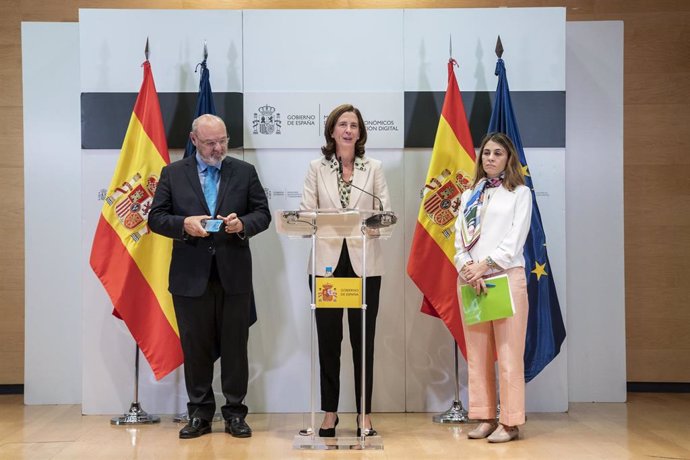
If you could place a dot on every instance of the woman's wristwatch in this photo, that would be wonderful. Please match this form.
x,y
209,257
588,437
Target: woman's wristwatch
x,y
491,264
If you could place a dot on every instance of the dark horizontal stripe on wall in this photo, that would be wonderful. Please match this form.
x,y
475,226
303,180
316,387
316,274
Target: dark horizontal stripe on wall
x,y
105,117
659,387
12,389
540,116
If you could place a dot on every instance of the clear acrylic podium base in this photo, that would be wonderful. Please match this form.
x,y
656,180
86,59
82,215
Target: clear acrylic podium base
x,y
338,443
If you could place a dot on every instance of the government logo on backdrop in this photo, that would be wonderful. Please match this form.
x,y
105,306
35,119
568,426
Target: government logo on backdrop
x,y
266,121
296,120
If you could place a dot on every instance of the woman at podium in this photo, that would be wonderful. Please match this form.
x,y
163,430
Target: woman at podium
x,y
490,234
345,178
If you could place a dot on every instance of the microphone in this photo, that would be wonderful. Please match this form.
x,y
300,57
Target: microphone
x,y
290,216
340,168
384,218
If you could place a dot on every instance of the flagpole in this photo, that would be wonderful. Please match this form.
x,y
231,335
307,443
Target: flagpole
x,y
456,413
499,55
136,415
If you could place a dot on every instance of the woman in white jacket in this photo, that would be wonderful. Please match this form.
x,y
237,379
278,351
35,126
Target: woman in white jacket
x,y
345,178
490,235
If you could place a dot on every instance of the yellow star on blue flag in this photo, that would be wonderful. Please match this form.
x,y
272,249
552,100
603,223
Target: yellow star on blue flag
x,y
539,270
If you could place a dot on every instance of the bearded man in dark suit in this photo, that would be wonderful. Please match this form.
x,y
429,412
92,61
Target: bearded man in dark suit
x,y
211,269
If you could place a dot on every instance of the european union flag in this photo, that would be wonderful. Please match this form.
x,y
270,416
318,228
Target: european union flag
x,y
545,329
204,103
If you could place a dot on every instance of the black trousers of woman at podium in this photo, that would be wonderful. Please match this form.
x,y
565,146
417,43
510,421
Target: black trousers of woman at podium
x,y
329,326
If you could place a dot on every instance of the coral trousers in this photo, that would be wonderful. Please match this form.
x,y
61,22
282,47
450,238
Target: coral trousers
x,y
505,339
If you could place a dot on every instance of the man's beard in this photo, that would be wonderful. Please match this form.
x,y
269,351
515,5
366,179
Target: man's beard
x,y
216,161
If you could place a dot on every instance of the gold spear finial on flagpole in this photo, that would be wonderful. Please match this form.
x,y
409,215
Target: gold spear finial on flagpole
x,y
450,46
205,50
146,49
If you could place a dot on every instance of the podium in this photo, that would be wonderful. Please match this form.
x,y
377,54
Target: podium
x,y
335,224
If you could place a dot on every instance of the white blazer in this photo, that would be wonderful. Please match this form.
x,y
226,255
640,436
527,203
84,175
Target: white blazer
x,y
321,192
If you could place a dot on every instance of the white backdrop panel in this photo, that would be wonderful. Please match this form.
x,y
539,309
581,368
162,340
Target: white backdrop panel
x,y
533,38
594,186
323,50
52,167
108,40
113,41
427,383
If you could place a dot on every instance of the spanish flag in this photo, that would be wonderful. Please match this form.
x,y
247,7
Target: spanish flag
x,y
451,172
130,260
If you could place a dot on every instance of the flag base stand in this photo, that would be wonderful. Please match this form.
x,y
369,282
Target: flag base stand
x,y
338,443
456,414
135,416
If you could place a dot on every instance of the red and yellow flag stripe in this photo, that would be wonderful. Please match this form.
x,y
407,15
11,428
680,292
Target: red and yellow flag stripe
x,y
450,172
130,260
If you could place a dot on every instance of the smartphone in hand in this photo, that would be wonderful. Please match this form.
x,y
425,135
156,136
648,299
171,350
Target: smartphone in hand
x,y
212,225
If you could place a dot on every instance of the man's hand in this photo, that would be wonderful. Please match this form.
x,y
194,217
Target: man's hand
x,y
232,223
193,227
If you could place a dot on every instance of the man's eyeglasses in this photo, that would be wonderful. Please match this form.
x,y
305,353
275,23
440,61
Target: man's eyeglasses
x,y
223,141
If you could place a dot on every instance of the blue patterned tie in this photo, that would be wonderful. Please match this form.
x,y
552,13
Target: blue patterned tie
x,y
210,189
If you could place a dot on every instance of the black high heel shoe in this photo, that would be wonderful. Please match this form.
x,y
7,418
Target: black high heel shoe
x,y
370,432
329,432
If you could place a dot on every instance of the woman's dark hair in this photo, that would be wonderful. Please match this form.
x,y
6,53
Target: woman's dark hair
x,y
329,149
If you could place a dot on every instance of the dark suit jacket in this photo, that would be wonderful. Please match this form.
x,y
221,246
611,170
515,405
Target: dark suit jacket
x,y
179,195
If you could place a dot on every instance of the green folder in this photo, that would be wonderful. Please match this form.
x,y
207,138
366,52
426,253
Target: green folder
x,y
496,304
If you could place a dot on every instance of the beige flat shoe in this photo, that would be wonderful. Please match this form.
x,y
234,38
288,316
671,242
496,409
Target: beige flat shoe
x,y
504,434
483,430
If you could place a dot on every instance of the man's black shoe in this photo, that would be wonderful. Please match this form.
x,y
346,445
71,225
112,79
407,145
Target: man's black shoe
x,y
195,428
237,427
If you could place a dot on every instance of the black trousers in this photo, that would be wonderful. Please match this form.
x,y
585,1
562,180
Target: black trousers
x,y
214,325
329,327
